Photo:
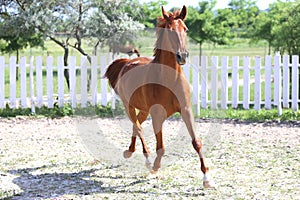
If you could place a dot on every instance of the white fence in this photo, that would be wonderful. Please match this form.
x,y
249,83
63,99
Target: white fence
x,y
216,83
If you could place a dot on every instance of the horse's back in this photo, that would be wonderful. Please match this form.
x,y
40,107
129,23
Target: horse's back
x,y
120,66
136,62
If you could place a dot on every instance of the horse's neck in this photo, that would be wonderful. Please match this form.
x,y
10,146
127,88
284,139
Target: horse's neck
x,y
166,58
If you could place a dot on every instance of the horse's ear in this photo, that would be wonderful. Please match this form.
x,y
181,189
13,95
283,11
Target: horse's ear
x,y
183,13
165,14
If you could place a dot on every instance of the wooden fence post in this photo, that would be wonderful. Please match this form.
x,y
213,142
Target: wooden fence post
x,y
204,90
268,92
196,84
83,68
39,81
286,81
214,83
224,82
257,91
94,77
235,82
13,82
23,84
49,65
103,81
2,82
277,83
295,83
246,91
72,67
61,81
31,84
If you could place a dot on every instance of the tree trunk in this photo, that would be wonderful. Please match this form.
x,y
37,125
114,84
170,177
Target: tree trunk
x,y
96,48
17,69
66,70
65,46
200,52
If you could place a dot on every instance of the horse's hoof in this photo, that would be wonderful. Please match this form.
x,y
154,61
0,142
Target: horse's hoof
x,y
208,182
127,154
208,185
148,165
152,171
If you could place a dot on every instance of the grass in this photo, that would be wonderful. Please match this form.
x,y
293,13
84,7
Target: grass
x,y
103,112
145,42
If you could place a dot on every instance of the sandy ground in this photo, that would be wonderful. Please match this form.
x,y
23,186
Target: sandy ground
x,y
55,159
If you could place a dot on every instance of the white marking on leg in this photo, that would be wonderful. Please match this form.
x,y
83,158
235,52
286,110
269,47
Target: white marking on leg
x,y
148,164
208,181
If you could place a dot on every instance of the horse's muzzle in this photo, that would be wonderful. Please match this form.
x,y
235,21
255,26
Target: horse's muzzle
x,y
181,57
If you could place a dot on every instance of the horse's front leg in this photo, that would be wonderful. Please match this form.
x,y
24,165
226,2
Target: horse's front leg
x,y
207,182
142,116
159,115
188,118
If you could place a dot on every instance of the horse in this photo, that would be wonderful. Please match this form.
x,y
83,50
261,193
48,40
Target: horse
x,y
157,86
129,50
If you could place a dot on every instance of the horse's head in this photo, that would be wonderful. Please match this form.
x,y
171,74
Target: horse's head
x,y
174,33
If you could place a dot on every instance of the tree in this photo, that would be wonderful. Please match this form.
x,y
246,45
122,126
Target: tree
x,y
286,28
285,19
205,26
244,13
77,19
113,24
14,39
262,29
150,11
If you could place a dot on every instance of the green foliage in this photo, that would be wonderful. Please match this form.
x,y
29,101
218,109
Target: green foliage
x,y
290,115
279,26
66,110
14,35
150,11
286,28
109,21
94,20
99,110
262,29
107,111
15,43
205,26
199,21
253,115
250,115
9,112
244,13
55,112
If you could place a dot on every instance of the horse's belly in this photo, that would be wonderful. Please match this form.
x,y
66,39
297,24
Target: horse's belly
x,y
147,96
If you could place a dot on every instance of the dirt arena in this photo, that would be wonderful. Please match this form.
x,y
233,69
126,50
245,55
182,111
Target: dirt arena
x,y
81,158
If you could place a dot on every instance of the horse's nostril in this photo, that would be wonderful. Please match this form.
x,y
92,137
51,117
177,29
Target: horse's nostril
x,y
178,56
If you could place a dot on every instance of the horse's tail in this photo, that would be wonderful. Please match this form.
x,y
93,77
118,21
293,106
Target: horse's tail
x,y
113,71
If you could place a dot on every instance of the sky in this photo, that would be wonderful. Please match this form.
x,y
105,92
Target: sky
x,y
262,4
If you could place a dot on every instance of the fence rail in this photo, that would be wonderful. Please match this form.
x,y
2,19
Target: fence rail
x,y
218,82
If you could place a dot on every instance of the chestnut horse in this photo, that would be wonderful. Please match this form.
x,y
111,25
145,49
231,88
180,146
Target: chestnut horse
x,y
158,87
